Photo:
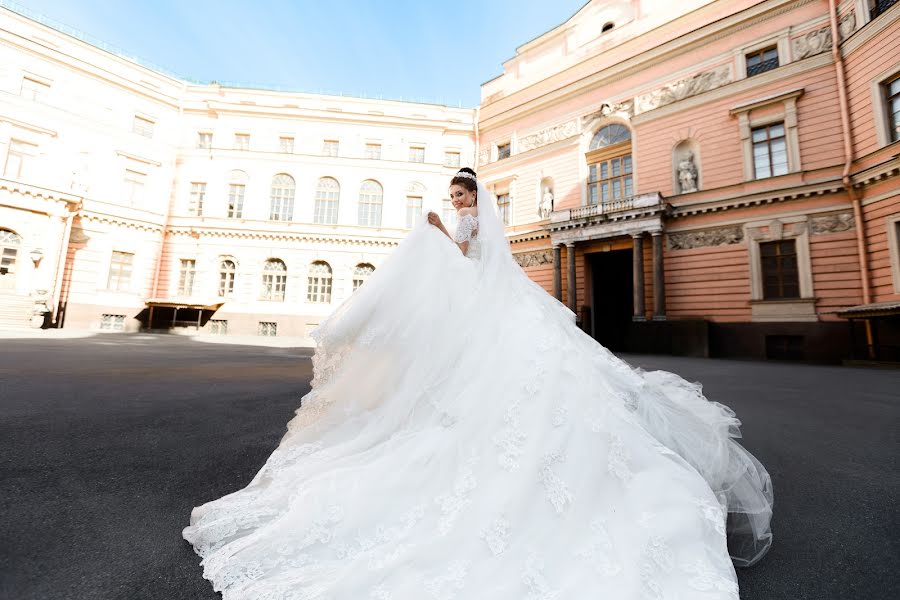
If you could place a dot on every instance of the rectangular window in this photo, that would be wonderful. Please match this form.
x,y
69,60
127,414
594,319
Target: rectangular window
x,y
142,126
112,322
761,61
769,151
417,154
503,207
218,326
413,210
186,276
34,89
133,187
503,151
373,151
236,200
242,141
17,159
286,145
330,148
198,193
120,271
268,328
204,140
610,180
892,102
451,159
781,278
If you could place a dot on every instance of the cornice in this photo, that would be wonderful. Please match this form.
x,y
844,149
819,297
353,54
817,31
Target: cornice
x,y
757,199
194,231
685,44
106,219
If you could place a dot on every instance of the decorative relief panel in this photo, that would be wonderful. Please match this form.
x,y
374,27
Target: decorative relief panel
x,y
719,236
549,136
818,41
831,223
684,88
534,259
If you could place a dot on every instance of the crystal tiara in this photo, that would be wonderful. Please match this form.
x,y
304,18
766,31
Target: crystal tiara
x,y
465,174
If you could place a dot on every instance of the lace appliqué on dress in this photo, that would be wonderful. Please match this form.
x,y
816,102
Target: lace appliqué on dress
x,y
466,228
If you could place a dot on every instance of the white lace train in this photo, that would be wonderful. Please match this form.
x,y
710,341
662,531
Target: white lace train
x,y
410,471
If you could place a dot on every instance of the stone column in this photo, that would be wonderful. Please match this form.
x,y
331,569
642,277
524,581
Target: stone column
x,y
557,272
638,276
659,284
570,276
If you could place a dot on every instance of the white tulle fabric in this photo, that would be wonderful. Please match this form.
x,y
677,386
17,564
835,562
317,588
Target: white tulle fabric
x,y
464,439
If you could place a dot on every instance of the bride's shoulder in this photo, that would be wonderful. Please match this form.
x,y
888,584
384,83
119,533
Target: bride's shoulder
x,y
468,212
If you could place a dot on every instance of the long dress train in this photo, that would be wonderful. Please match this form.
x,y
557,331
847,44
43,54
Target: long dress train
x,y
464,439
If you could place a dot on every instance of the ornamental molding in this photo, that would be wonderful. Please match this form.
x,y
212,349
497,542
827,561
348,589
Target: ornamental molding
x,y
819,40
549,135
535,258
832,223
684,88
717,236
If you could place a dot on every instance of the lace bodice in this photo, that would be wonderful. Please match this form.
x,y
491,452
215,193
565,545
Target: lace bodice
x,y
467,231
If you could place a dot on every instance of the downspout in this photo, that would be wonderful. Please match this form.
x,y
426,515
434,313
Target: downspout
x,y
477,113
61,265
848,163
165,226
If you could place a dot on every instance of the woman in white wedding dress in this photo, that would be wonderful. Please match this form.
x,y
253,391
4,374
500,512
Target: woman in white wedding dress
x,y
464,439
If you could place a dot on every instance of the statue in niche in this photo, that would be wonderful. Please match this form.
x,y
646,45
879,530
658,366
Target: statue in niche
x,y
687,173
546,206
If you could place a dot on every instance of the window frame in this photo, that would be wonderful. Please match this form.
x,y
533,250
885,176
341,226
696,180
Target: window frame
x,y
790,309
747,123
881,106
116,267
769,152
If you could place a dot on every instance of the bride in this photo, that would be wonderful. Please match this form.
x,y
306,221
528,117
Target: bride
x,y
464,439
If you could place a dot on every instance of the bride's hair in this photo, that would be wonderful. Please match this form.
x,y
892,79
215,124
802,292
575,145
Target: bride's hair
x,y
466,182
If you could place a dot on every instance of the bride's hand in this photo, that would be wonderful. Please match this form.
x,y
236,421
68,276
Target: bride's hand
x,y
433,218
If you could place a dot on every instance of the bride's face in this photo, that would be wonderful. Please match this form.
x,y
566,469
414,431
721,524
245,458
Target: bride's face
x,y
461,197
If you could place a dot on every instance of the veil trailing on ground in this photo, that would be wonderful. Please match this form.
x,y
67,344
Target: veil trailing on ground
x,y
457,412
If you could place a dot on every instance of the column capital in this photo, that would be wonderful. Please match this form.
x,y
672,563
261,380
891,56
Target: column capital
x,y
570,244
656,232
637,234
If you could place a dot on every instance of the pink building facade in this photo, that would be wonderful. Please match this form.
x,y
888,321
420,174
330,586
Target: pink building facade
x,y
708,177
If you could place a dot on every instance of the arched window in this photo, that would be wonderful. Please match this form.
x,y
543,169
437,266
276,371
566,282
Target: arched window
x,y
10,242
318,287
282,205
361,272
607,27
370,202
610,168
415,191
328,196
274,280
610,135
227,271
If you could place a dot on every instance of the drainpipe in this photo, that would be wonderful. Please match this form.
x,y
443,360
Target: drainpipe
x,y
165,227
848,163
61,265
477,113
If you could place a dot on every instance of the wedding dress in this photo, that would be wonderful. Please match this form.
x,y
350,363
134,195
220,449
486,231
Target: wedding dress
x,y
464,439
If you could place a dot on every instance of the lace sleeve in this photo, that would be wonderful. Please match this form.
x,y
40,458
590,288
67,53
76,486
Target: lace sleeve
x,y
465,228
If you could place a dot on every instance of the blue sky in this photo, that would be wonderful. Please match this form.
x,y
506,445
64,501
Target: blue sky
x,y
430,50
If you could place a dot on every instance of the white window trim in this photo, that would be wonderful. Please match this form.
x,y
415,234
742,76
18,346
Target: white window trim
x,y
788,116
880,108
893,236
781,228
780,39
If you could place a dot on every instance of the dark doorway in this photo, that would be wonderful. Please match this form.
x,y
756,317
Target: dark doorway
x,y
612,296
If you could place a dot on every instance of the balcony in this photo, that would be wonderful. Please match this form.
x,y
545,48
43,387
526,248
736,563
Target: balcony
x,y
879,7
612,208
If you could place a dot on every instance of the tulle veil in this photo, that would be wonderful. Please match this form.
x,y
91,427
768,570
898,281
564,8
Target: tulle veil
x,y
394,337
